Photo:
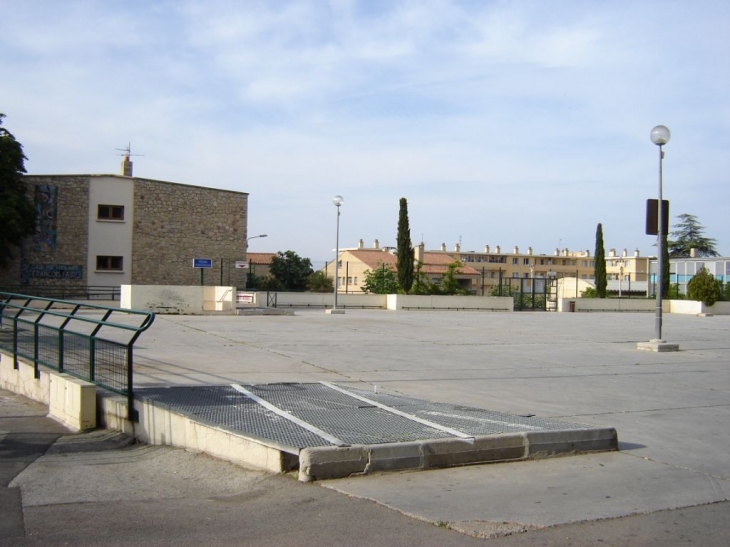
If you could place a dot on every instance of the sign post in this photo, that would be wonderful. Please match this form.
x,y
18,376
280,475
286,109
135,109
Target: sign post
x,y
203,264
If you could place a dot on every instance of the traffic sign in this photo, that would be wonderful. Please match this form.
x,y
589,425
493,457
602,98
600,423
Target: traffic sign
x,y
202,262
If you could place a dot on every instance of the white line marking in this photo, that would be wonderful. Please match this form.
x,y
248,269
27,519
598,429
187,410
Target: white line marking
x,y
284,414
397,412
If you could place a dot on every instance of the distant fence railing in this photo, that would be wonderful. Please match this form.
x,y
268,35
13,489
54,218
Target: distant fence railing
x,y
69,292
92,342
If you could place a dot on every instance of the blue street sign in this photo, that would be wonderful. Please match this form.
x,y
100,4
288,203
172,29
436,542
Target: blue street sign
x,y
202,262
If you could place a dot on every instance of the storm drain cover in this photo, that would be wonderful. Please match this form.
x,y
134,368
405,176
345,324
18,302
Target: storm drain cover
x,y
297,415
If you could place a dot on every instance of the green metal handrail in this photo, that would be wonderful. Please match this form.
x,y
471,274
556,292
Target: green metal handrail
x,y
27,321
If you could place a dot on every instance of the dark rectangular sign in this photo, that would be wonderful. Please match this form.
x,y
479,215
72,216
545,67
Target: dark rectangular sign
x,y
652,217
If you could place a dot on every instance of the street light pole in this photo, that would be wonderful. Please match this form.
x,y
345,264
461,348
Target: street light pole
x,y
249,274
660,136
337,200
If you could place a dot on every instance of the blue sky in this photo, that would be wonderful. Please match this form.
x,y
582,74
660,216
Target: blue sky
x,y
502,122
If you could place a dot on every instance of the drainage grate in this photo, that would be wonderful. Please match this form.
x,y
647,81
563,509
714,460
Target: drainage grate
x,y
340,415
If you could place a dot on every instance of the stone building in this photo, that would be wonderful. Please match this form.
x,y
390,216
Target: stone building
x,y
109,230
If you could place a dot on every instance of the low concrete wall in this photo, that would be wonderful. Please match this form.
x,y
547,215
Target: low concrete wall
x,y
159,425
391,302
433,302
689,307
70,401
610,305
176,299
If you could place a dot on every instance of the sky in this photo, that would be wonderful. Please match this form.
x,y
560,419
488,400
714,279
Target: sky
x,y
512,123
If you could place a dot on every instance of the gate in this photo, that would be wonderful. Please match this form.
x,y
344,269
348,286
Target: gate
x,y
531,293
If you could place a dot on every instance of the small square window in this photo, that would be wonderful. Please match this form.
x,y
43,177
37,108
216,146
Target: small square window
x,y
109,263
110,212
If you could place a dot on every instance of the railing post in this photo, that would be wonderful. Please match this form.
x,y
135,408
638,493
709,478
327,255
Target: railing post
x,y
132,413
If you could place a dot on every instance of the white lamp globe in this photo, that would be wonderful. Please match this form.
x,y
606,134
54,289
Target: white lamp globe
x,y
660,135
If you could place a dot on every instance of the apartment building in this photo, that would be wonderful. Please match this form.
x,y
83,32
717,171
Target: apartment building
x,y
484,270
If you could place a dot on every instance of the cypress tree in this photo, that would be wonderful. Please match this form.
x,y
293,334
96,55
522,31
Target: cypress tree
x,y
404,249
600,260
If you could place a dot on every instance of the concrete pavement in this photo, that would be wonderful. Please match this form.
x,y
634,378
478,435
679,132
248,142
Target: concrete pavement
x,y
670,409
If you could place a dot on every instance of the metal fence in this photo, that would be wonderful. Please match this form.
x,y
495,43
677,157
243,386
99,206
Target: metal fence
x,y
91,342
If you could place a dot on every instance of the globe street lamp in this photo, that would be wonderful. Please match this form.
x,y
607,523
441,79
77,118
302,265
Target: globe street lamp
x,y
337,200
660,136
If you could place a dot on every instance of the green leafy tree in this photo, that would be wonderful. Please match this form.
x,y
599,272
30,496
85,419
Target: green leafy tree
x,y
703,287
381,280
421,284
689,234
449,284
291,270
600,261
590,292
319,282
17,218
268,283
404,249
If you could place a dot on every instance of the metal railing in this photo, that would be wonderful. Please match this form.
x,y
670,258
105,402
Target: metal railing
x,y
91,342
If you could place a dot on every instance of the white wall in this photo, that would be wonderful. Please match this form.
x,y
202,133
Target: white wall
x,y
177,299
110,237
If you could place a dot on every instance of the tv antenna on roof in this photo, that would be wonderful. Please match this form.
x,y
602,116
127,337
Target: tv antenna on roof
x,y
128,151
126,164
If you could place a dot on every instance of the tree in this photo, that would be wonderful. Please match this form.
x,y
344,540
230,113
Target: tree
x,y
319,282
421,284
600,267
381,280
689,234
404,249
704,287
449,284
17,215
291,270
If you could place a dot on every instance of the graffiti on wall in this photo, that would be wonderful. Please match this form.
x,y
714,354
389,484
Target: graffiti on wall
x,y
50,271
46,202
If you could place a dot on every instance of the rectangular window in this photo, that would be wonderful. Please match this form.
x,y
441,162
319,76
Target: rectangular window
x,y
110,212
515,275
349,280
109,263
584,263
526,261
515,260
355,280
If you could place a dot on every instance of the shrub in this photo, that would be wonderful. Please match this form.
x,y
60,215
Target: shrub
x,y
704,287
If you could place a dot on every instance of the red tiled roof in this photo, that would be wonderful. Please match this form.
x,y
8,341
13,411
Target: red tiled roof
x,y
433,263
260,258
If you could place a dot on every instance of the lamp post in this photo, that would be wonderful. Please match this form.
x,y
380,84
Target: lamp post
x,y
250,274
660,136
337,200
253,237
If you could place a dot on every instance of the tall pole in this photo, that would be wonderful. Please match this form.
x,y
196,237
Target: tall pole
x,y
337,200
660,258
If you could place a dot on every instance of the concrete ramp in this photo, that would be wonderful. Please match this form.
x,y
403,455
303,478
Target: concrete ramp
x,y
334,430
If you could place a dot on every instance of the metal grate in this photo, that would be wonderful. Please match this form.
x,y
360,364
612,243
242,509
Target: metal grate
x,y
347,418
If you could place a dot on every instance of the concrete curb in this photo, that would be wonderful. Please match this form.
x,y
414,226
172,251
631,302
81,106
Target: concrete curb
x,y
338,462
